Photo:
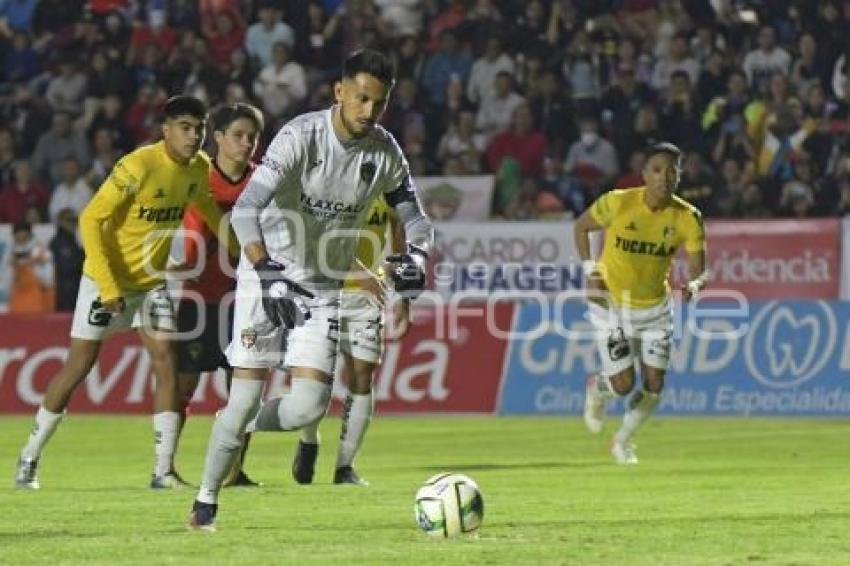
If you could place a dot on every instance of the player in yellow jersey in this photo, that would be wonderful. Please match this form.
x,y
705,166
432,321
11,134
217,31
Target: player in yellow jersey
x,y
630,298
361,318
127,230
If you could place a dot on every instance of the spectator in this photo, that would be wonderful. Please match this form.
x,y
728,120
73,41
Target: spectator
x,y
55,146
442,65
783,140
239,71
22,61
142,117
282,86
484,71
323,43
713,78
460,141
523,205
8,155
633,177
405,108
72,193
409,59
698,185
760,64
680,118
553,110
522,142
24,193
154,32
105,156
27,115
16,16
530,34
494,113
66,90
797,199
68,256
398,18
625,96
265,34
581,74
592,160
109,116
224,34
678,60
843,207
32,274
810,67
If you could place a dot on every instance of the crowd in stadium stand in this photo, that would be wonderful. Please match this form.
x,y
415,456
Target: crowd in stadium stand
x,y
557,99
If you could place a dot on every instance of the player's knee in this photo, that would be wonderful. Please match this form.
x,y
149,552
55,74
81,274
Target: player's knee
x,y
623,382
240,410
360,384
654,384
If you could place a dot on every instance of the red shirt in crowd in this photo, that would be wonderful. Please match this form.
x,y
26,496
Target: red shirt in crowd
x,y
528,149
14,202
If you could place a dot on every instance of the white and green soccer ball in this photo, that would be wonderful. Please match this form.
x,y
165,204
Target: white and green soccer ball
x,y
448,505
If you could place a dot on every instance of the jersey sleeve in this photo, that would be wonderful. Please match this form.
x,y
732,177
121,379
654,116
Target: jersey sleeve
x,y
605,208
283,158
117,191
694,231
193,226
211,215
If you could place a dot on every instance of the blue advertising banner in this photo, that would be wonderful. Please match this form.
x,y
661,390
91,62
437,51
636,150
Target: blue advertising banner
x,y
767,358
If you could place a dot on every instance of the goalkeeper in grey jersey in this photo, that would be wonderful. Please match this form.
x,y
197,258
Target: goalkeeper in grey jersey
x,y
297,222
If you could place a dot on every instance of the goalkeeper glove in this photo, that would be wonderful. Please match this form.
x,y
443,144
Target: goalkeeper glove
x,y
283,299
408,273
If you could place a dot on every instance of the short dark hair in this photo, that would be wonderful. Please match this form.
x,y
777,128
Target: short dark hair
x,y
184,105
223,116
370,62
666,147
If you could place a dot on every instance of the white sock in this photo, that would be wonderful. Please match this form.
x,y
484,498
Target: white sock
x,y
355,420
44,427
310,433
641,406
228,434
305,403
166,428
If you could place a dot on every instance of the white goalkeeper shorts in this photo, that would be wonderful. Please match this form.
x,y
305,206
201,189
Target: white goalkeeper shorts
x,y
624,334
152,310
361,326
257,343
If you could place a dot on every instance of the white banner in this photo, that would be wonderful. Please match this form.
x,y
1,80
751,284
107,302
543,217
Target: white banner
x,y
489,257
844,292
456,198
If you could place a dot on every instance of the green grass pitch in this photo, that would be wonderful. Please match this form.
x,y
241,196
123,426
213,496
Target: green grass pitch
x,y
707,491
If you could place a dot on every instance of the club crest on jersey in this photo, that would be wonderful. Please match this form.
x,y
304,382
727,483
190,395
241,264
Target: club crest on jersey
x,y
160,193
367,172
249,337
192,188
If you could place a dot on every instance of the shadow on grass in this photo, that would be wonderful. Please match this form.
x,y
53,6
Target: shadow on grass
x,y
510,466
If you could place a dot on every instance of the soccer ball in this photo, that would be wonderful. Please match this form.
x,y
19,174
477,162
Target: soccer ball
x,y
448,505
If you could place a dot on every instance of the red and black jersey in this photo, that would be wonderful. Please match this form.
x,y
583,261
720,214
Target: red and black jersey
x,y
212,283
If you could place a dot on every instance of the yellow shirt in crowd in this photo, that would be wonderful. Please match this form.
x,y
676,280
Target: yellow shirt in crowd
x,y
640,244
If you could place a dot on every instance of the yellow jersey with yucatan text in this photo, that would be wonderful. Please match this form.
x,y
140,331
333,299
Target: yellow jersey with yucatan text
x,y
640,244
372,242
128,226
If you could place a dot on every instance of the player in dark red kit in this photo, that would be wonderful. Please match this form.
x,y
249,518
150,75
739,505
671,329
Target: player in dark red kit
x,y
236,129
